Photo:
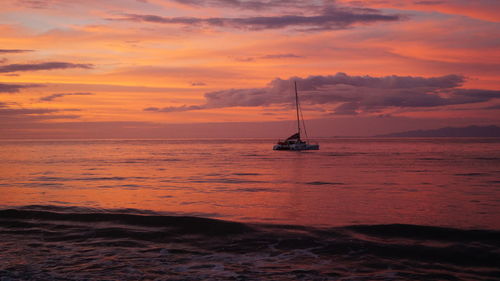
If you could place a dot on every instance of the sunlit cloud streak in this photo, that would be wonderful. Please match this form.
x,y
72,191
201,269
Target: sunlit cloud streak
x,y
14,88
42,66
60,95
35,4
349,94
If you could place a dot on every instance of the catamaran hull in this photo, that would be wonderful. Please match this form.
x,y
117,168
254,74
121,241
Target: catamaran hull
x,y
296,147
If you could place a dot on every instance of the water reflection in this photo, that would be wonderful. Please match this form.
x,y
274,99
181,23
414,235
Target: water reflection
x,y
350,181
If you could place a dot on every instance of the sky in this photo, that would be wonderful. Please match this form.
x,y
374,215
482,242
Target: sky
x,y
225,68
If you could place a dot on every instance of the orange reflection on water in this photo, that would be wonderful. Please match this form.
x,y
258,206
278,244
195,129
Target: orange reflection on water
x,y
349,181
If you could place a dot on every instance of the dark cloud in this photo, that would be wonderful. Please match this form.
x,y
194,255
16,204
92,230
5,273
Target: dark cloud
x,y
23,115
54,96
25,111
295,6
387,82
35,4
198,84
174,108
493,107
348,108
331,18
14,51
280,56
244,59
428,3
345,94
267,57
32,115
42,66
14,88
250,5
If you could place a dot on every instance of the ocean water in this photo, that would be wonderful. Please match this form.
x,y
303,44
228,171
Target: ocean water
x,y
234,209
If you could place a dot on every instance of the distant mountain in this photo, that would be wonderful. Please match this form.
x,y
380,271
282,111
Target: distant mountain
x,y
471,131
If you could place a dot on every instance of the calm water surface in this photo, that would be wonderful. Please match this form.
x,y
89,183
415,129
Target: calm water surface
x,y
439,182
358,209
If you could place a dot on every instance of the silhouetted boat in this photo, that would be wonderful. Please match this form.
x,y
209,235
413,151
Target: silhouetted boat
x,y
294,142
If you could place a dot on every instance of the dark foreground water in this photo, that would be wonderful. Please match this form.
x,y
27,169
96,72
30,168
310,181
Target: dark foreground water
x,y
358,209
61,243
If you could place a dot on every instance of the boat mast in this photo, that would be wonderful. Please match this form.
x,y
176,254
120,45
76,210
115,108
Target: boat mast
x,y
297,107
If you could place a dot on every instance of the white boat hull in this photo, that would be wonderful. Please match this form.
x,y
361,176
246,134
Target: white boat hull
x,y
296,146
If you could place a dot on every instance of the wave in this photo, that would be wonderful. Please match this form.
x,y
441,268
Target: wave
x,y
74,243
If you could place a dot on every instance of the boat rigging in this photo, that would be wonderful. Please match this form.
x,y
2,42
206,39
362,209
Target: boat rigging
x,y
295,142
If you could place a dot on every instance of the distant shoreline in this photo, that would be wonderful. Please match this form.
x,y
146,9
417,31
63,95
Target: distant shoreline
x,y
451,132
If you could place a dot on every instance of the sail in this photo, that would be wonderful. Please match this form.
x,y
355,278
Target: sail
x,y
295,136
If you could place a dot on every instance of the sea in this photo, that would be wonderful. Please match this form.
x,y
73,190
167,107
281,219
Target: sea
x,y
234,209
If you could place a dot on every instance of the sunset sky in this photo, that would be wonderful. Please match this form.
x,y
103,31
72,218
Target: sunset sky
x,y
224,68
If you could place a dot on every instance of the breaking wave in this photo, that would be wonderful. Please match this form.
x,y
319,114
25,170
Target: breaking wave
x,y
76,243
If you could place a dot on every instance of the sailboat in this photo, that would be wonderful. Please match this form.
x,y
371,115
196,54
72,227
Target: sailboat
x,y
294,142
